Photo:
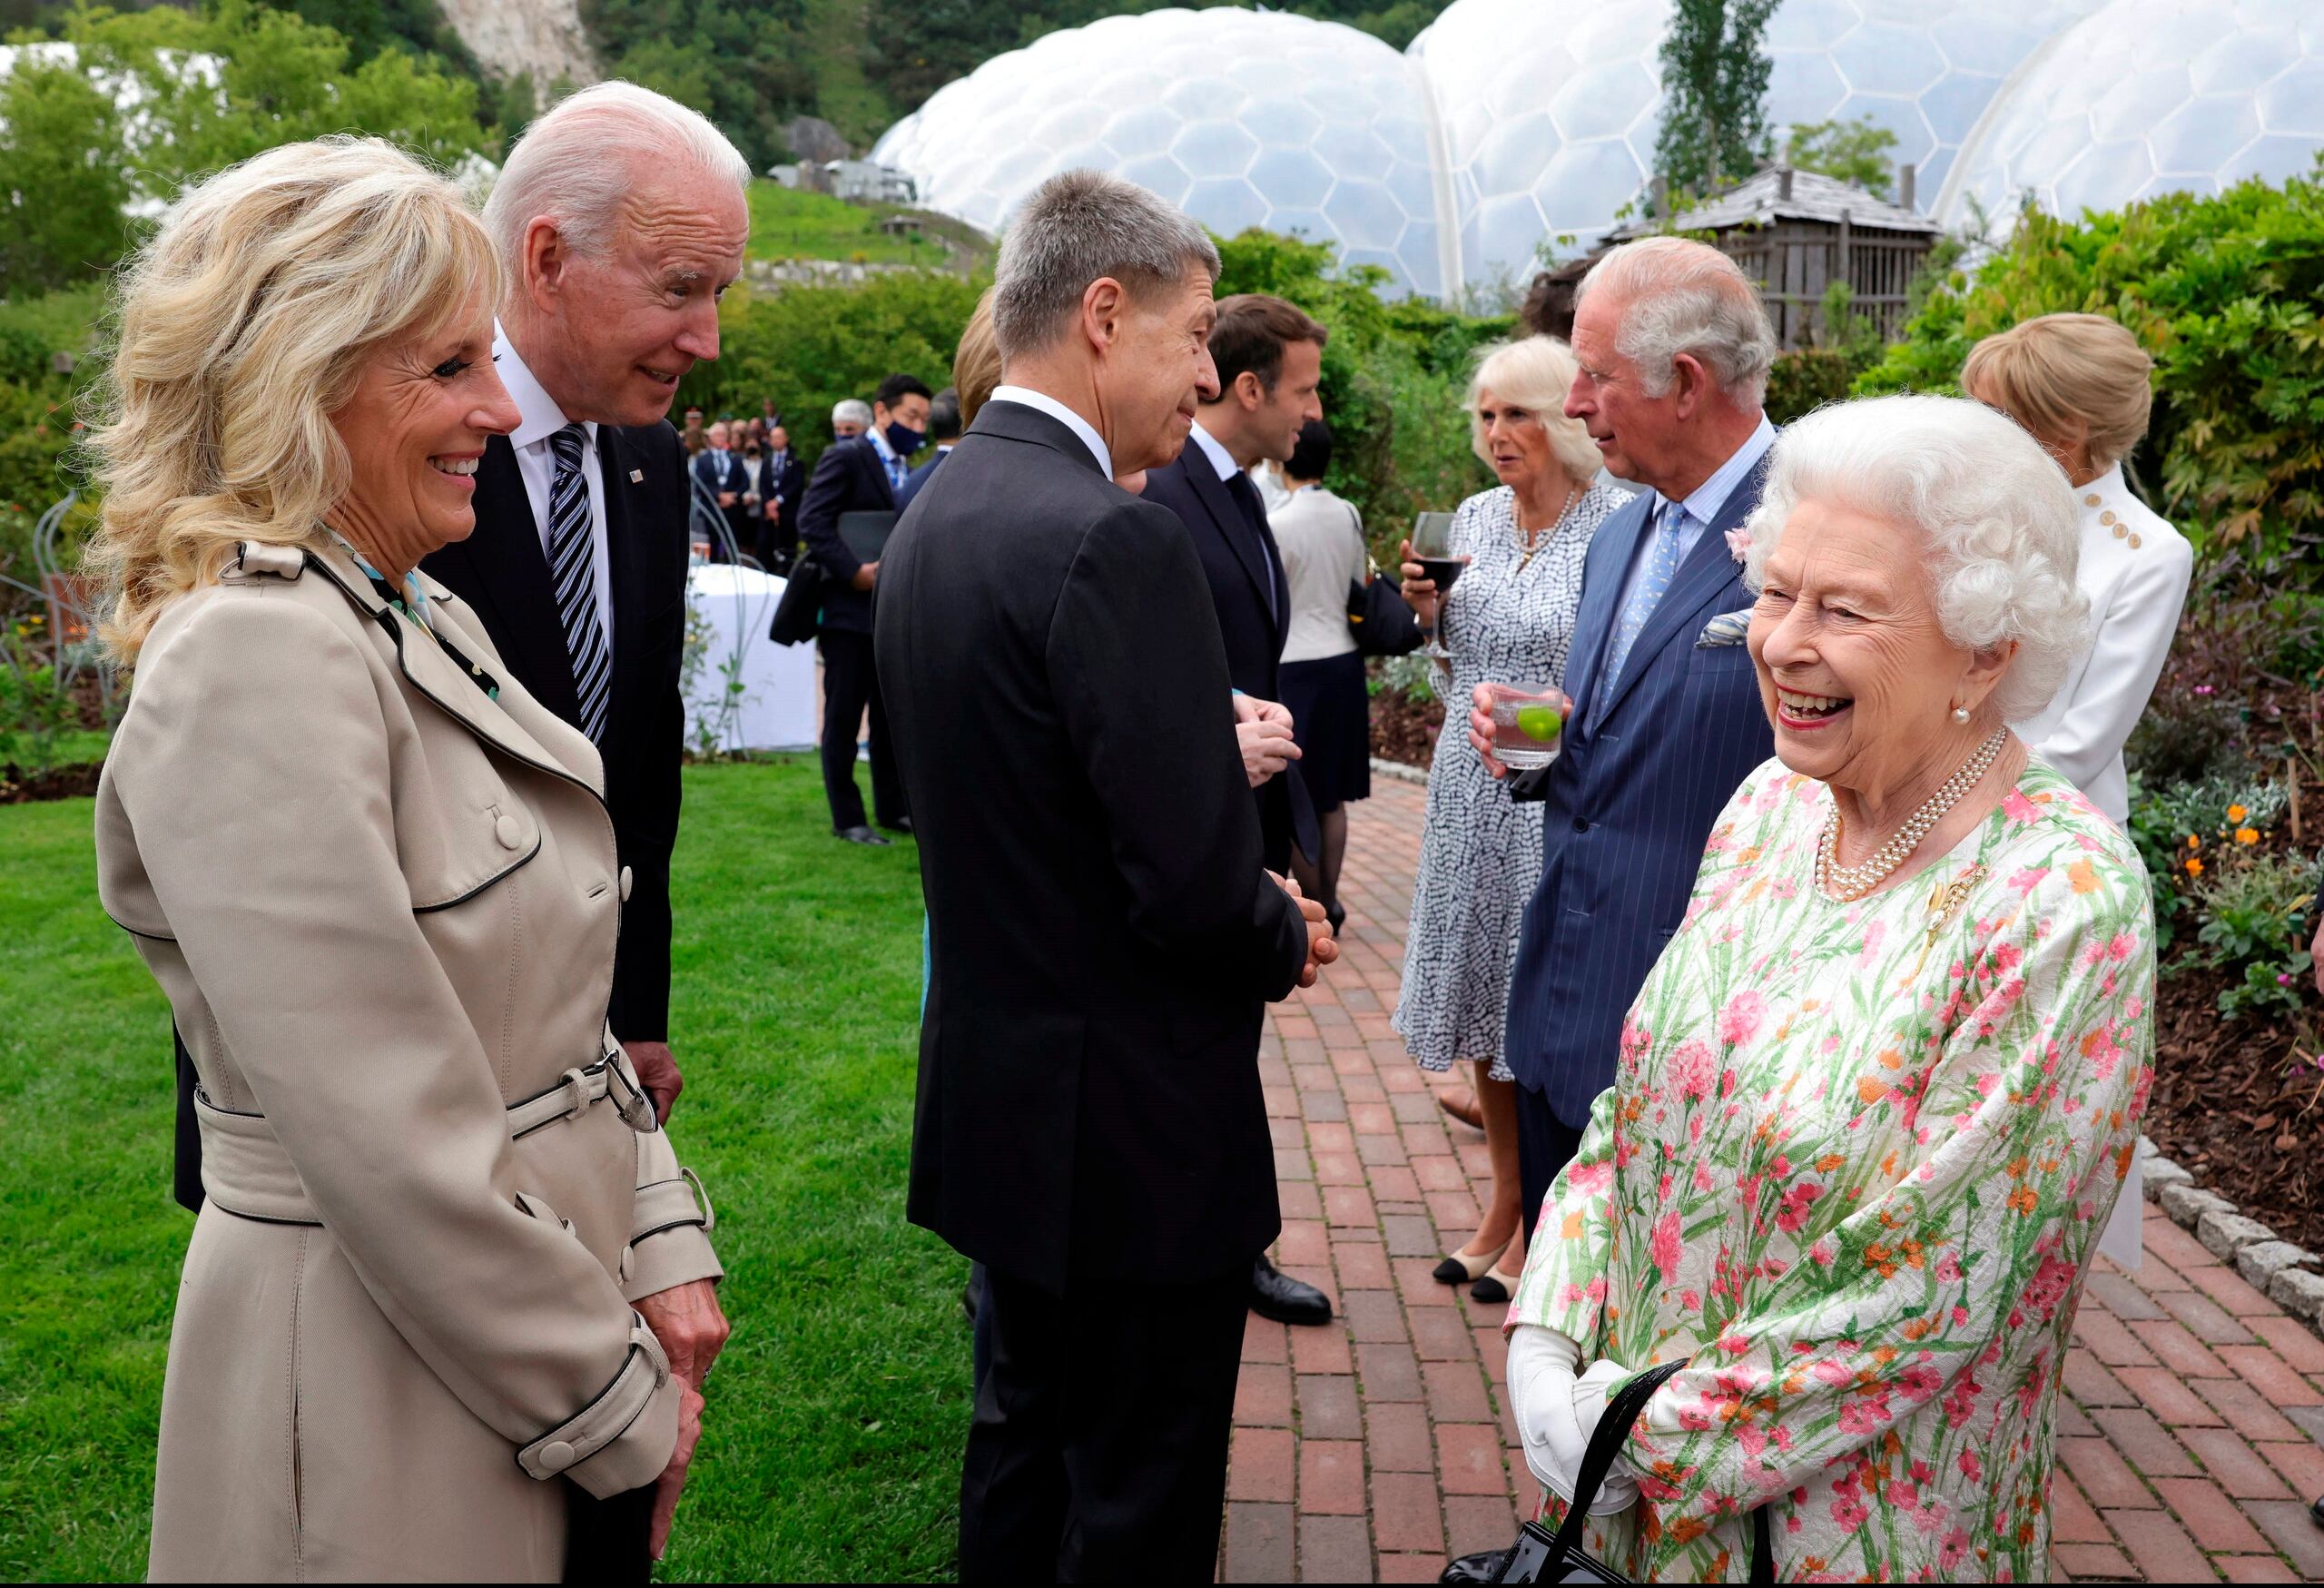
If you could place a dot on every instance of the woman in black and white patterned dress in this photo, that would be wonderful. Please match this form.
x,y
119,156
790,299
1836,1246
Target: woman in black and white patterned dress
x,y
1509,618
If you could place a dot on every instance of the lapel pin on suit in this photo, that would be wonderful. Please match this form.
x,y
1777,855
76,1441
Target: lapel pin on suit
x,y
637,477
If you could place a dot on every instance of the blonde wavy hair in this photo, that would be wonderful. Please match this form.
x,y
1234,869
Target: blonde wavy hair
x,y
1534,373
244,324
2064,376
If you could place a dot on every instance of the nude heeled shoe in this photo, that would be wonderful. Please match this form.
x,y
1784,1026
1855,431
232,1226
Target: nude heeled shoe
x,y
1461,1268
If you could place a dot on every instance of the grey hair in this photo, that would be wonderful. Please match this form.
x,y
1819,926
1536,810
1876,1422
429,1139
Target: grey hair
x,y
1078,228
577,163
852,409
1680,296
2000,534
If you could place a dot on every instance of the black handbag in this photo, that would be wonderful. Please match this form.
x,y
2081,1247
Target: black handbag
x,y
1379,617
1542,1556
800,614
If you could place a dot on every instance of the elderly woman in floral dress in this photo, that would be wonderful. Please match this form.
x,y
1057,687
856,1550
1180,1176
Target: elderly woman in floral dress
x,y
1876,1101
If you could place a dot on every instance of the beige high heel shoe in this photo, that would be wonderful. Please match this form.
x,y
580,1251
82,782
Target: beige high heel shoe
x,y
1459,1268
1495,1287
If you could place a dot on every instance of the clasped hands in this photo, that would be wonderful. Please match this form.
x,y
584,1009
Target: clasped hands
x,y
1559,1406
1263,733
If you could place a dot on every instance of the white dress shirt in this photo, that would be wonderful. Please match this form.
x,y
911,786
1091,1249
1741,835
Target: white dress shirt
x,y
1063,415
537,419
2135,569
1322,541
1702,504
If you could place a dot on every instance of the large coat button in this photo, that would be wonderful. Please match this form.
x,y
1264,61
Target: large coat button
x,y
624,885
557,1455
506,829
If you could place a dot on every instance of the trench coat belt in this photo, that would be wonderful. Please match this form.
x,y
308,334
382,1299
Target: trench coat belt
x,y
245,1171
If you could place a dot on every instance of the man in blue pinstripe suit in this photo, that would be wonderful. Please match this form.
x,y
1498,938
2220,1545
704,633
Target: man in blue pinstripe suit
x,y
1674,348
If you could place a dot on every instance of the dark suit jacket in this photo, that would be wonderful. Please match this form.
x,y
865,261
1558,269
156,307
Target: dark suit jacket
x,y
1252,633
1627,807
848,478
723,471
502,571
1102,938
919,477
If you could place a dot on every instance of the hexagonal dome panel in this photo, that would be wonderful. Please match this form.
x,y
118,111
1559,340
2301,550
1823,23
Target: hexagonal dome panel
x,y
2151,97
1245,118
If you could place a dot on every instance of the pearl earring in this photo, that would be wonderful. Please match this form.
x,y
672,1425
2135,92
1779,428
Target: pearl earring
x,y
1961,716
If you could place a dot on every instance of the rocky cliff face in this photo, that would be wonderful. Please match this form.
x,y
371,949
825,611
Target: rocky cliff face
x,y
544,37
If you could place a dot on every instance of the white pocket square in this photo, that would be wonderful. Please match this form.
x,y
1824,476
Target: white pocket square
x,y
1726,629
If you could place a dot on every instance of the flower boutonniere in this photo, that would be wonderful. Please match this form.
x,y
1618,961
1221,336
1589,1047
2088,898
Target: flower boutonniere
x,y
1738,544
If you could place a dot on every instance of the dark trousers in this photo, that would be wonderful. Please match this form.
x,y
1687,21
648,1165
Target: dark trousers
x,y
851,684
1099,1450
1545,1144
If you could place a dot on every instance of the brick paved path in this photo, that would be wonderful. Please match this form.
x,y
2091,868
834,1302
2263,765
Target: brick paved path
x,y
1374,1447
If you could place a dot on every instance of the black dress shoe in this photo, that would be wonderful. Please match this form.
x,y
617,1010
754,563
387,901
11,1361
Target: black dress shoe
x,y
1336,917
1277,1297
861,835
1481,1567
902,824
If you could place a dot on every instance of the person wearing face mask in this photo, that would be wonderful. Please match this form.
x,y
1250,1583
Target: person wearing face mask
x,y
1104,932
861,474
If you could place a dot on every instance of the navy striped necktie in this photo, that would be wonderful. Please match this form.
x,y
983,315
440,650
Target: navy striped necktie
x,y
572,565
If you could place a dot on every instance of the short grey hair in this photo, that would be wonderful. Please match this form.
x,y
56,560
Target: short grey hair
x,y
1999,532
1680,296
852,411
577,163
1076,228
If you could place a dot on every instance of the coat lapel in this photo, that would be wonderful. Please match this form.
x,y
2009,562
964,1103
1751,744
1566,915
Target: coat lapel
x,y
1609,560
432,673
1708,569
512,580
1227,519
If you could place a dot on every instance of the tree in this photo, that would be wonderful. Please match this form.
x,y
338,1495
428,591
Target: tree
x,y
1714,92
1854,152
62,189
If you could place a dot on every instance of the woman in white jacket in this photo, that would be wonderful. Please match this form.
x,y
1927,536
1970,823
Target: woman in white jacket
x,y
2079,383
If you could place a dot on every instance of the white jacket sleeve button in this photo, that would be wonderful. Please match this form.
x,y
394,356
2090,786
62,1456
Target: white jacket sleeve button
x,y
624,885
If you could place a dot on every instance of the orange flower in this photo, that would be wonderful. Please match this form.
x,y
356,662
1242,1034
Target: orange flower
x,y
2194,841
2246,835
2194,868
2235,813
2023,1200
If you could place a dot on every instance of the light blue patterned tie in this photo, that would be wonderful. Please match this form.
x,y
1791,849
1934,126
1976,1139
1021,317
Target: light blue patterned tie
x,y
1661,567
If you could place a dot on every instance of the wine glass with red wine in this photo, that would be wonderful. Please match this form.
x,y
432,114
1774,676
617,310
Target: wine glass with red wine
x,y
1432,549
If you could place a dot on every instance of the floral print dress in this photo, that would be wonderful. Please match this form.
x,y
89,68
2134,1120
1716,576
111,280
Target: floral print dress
x,y
1853,1167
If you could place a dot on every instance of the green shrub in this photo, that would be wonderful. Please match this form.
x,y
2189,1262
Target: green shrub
x,y
35,711
1805,378
2254,920
2223,291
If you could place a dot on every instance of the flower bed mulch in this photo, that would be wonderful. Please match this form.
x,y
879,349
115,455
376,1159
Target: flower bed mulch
x,y
1403,731
19,787
2236,1109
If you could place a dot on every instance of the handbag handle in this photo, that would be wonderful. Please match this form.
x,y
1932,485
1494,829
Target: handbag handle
x,y
1606,1442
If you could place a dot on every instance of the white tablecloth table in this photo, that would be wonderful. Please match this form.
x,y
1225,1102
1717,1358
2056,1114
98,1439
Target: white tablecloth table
x,y
733,606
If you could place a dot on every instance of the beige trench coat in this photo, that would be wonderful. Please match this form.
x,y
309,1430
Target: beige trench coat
x,y
383,907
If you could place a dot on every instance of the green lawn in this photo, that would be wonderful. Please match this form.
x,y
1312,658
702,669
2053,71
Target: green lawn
x,y
789,224
831,1446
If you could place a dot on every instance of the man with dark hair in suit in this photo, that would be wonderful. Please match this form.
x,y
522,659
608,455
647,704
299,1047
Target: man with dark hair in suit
x,y
859,474
1270,361
1104,934
944,430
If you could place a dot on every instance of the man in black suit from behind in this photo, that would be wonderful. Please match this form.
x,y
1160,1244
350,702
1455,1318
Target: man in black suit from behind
x,y
1270,360
1104,935
859,474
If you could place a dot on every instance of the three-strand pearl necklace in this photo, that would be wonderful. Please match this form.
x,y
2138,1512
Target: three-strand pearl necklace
x,y
1847,884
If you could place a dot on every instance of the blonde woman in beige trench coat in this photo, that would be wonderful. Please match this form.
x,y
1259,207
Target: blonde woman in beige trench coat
x,y
377,883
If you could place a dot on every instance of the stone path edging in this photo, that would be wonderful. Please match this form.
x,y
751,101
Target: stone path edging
x,y
2290,1276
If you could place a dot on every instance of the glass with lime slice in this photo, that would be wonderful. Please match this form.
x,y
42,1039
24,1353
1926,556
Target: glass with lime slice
x,y
1528,723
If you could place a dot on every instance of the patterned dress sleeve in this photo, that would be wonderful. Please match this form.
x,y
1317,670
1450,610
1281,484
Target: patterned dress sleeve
x,y
1563,1287
2025,1099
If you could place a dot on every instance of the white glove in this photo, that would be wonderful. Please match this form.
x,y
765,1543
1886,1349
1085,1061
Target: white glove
x,y
1557,1413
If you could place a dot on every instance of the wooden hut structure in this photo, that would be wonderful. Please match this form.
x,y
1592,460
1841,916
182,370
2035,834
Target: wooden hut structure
x,y
1797,232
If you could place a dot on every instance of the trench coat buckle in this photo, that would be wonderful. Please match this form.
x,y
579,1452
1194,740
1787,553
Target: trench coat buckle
x,y
576,1083
630,1100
